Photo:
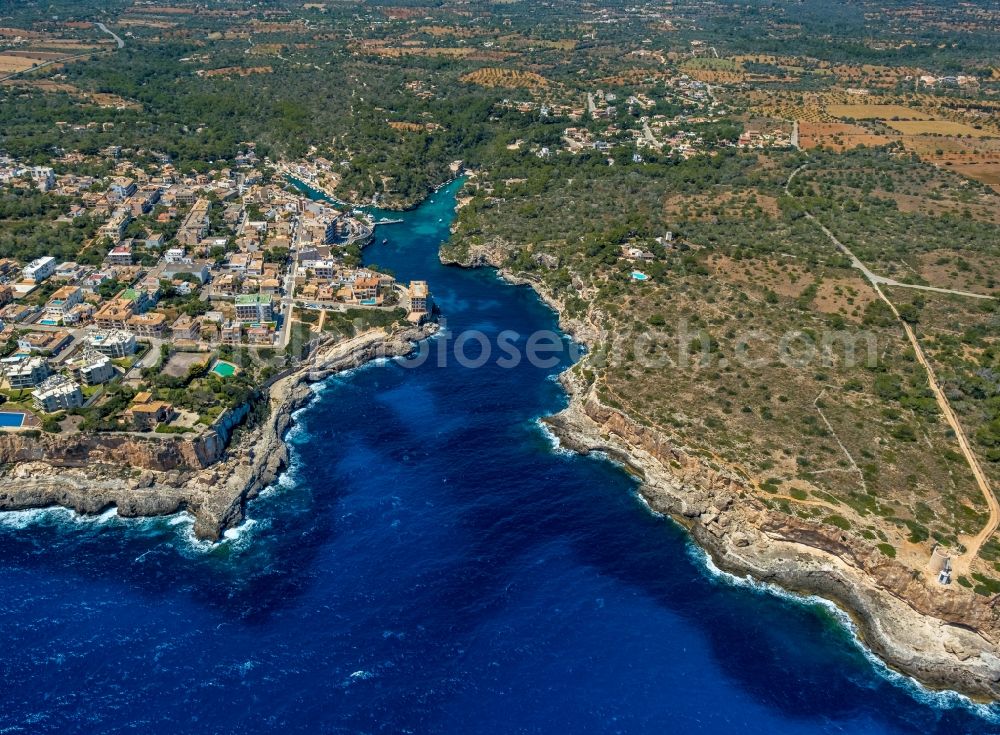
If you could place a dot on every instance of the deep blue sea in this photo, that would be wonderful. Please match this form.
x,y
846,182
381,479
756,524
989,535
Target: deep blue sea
x,y
429,563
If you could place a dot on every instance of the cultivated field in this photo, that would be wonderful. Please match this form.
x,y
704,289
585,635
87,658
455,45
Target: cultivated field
x,y
936,127
876,112
837,136
988,173
508,78
10,63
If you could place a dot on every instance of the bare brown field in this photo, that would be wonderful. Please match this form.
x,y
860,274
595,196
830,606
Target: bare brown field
x,y
103,99
508,78
8,32
984,212
782,277
257,26
38,56
63,45
936,127
845,296
145,23
265,49
43,85
876,112
956,148
837,136
976,158
404,13
9,63
948,269
988,173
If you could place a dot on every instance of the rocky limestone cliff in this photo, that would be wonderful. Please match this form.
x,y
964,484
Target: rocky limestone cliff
x,y
946,637
155,476
160,453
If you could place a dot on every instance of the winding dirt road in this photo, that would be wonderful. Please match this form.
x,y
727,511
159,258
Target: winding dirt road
x,y
960,564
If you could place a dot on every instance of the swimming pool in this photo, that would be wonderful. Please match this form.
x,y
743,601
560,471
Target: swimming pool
x,y
639,276
49,322
11,419
368,302
224,369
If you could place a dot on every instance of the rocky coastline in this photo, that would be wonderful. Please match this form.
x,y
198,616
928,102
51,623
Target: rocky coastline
x,y
946,638
149,476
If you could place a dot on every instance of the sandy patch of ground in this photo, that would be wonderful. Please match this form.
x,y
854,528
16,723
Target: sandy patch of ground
x,y
837,136
961,271
845,296
876,112
785,279
181,362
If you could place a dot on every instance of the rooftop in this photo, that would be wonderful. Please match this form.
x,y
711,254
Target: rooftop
x,y
253,298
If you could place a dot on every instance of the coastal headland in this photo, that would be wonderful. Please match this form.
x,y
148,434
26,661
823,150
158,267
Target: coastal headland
x,y
946,638
152,476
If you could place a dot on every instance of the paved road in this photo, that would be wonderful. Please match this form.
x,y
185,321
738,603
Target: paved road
x,y
118,40
47,63
288,298
648,134
148,360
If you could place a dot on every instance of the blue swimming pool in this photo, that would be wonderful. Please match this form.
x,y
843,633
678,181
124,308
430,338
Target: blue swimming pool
x,y
11,418
639,276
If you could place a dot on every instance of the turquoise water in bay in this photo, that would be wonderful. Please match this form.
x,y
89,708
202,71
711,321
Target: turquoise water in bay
x,y
429,564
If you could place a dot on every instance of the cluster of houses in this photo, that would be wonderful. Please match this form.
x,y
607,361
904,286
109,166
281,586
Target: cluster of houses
x,y
776,137
240,255
641,129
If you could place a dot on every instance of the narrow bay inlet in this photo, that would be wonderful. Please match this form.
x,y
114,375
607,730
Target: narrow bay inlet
x,y
424,545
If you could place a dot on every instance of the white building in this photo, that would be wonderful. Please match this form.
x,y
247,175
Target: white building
x,y
28,373
57,393
254,308
120,255
113,343
44,177
322,268
176,255
40,269
97,369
